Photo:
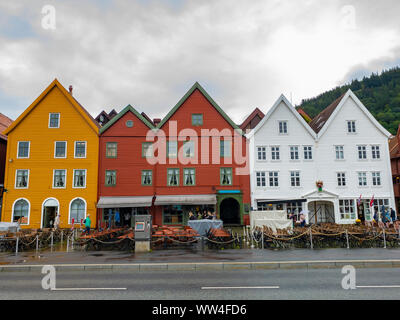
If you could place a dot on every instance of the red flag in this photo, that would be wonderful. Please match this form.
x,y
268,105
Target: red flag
x,y
371,202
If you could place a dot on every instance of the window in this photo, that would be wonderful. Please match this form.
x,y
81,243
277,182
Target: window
x,y
189,177
283,127
172,149
77,211
21,212
79,178
362,152
274,179
60,149
226,176
129,123
275,153
197,119
261,153
351,127
111,178
295,208
21,179
376,153
346,209
307,153
54,120
362,179
295,178
260,177
376,178
188,149
59,179
294,153
341,179
173,214
339,152
147,177
111,149
225,148
173,177
23,149
379,203
147,150
80,149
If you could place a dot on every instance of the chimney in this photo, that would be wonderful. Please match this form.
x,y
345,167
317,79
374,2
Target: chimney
x,y
70,89
156,121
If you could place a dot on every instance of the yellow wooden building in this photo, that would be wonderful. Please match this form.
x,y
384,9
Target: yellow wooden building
x,y
52,162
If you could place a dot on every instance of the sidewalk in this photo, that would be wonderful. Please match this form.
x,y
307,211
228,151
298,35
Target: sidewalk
x,y
201,260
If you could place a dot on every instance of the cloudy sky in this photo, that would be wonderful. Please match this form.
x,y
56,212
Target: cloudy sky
x,y
148,53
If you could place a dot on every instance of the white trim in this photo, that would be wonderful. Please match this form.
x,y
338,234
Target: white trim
x,y
29,211
69,211
85,149
283,99
15,182
66,148
52,182
29,150
73,179
59,120
42,212
350,94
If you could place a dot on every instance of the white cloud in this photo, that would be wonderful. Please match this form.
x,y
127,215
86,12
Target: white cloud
x,y
149,53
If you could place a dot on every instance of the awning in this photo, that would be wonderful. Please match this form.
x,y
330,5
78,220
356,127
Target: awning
x,y
197,199
124,202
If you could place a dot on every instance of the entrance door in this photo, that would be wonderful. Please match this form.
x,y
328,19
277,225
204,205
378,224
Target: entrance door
x,y
230,211
321,212
50,211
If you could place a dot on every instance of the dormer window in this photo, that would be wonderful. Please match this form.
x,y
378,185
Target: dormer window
x,y
351,127
54,120
283,127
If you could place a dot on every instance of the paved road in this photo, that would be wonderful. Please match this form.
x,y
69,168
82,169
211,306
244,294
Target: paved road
x,y
293,284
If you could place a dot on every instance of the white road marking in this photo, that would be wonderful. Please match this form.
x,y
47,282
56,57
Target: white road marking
x,y
224,288
364,287
85,289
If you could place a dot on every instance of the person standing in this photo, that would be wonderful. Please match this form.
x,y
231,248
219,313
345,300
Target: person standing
x,y
57,222
88,222
117,218
393,215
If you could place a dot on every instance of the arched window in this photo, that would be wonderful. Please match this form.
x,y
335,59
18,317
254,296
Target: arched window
x,y
21,211
77,211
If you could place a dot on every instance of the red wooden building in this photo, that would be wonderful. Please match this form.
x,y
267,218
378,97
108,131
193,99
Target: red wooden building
x,y
394,148
195,160
5,122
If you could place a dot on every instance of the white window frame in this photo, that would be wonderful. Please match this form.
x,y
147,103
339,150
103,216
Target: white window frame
x,y
264,152
358,152
65,184
59,120
308,151
377,178
73,179
69,211
296,151
366,179
29,211
340,151
276,152
342,178
75,149
284,126
273,177
29,150
55,149
27,182
296,177
376,151
355,126
261,179
354,206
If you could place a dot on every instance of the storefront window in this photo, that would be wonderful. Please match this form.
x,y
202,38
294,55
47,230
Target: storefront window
x,y
173,214
346,208
295,208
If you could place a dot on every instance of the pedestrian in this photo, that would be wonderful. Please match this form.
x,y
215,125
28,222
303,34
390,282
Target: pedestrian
x,y
199,216
110,214
191,216
127,218
117,218
87,224
205,215
302,220
393,215
57,222
292,217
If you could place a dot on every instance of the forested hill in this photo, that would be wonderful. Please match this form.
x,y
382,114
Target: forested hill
x,y
379,93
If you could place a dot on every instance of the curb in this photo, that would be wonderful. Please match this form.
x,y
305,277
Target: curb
x,y
209,266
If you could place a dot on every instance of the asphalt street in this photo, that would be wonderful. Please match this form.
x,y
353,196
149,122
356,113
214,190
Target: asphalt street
x,y
295,284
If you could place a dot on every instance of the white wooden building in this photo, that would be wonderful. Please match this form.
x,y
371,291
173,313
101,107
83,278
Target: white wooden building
x,y
344,148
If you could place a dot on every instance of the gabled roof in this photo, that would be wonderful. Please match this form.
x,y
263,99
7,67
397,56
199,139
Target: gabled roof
x,y
319,121
255,113
304,115
128,108
329,114
283,99
197,86
81,110
5,122
394,149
